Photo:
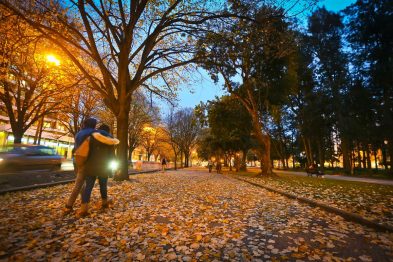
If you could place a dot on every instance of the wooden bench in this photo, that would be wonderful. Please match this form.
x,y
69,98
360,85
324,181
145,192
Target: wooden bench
x,y
314,171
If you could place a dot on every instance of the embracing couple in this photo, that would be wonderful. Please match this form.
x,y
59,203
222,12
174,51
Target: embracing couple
x,y
93,152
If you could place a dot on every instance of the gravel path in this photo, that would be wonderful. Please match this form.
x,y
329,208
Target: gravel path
x,y
188,215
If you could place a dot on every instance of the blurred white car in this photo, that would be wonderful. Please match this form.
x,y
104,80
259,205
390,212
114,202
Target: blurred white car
x,y
22,157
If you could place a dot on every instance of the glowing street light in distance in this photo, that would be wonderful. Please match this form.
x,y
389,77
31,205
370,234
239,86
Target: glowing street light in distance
x,y
52,59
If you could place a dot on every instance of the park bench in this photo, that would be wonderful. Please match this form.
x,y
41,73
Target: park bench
x,y
314,171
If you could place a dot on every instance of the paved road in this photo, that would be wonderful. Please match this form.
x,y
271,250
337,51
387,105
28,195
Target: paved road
x,y
339,177
24,178
185,215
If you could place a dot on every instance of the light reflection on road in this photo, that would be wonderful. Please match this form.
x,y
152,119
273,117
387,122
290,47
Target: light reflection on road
x,y
67,166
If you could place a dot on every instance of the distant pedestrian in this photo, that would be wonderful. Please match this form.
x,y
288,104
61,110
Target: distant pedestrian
x,y
163,163
98,166
218,167
210,165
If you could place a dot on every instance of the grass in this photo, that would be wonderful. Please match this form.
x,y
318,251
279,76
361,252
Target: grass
x,y
372,201
358,172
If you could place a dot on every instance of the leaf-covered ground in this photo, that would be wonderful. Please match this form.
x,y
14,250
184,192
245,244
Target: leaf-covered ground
x,y
371,201
188,215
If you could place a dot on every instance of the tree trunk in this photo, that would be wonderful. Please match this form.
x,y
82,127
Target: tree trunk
x,y
359,156
368,158
130,151
38,133
266,165
375,159
293,161
364,158
384,158
346,155
17,136
148,156
122,135
243,165
390,151
321,154
307,148
186,159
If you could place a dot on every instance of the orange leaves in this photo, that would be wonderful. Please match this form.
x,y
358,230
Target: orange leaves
x,y
158,217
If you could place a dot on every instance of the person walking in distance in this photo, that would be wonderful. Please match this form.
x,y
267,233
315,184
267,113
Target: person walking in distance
x,y
163,164
210,165
218,167
98,166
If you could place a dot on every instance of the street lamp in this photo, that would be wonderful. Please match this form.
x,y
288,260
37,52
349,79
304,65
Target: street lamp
x,y
52,59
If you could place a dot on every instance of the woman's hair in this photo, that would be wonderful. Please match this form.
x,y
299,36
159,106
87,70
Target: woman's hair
x,y
105,128
89,123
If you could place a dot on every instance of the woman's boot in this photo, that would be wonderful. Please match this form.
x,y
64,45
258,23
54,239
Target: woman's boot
x,y
84,210
105,203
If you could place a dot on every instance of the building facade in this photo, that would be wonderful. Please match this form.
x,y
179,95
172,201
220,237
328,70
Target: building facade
x,y
54,135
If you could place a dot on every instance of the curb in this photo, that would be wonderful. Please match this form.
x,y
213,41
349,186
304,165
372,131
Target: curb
x,y
346,215
25,188
37,186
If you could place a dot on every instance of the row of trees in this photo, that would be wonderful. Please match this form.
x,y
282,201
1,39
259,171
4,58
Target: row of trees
x,y
119,47
34,87
325,90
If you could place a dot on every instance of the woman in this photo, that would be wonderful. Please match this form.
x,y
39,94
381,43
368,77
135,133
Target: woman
x,y
101,153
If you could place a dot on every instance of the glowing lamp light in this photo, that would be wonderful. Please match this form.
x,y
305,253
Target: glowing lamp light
x,y
113,165
52,59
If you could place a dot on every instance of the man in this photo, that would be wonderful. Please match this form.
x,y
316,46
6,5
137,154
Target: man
x,y
88,128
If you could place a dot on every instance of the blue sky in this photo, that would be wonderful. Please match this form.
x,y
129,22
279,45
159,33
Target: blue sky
x,y
202,87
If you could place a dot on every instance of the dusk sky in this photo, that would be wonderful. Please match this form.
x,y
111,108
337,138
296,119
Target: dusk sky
x,y
202,88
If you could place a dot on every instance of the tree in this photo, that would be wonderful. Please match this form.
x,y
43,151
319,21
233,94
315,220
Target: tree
x,y
230,128
183,129
141,115
132,44
188,130
331,73
80,105
370,35
151,138
31,87
260,53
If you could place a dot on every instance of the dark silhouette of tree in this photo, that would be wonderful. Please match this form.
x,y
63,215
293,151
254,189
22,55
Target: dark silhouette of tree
x,y
260,53
331,76
370,34
230,128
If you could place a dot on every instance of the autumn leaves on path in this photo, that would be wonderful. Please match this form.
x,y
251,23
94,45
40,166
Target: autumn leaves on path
x,y
182,216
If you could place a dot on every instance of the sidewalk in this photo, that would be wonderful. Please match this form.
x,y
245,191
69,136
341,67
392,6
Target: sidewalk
x,y
186,215
341,177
